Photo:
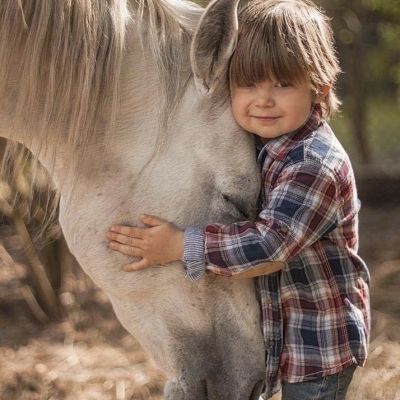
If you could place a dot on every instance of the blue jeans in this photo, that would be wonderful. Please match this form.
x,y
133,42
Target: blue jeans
x,y
331,387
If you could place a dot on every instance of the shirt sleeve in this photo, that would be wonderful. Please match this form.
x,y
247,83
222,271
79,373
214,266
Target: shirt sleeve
x,y
193,253
303,206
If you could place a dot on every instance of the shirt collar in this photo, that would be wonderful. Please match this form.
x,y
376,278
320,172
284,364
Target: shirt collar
x,y
279,147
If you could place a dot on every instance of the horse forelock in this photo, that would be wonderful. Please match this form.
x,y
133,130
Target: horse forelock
x,y
170,25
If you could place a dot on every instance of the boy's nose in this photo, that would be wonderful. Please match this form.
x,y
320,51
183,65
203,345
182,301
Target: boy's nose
x,y
264,99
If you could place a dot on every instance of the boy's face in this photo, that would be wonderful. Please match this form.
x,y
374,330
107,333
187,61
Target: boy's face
x,y
269,109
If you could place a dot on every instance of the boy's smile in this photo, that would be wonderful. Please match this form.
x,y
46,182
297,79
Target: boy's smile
x,y
267,121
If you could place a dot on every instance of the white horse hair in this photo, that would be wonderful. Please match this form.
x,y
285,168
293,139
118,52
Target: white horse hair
x,y
125,102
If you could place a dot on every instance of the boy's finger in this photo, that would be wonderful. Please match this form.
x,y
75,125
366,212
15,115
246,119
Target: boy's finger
x,y
151,220
123,239
129,250
130,231
137,266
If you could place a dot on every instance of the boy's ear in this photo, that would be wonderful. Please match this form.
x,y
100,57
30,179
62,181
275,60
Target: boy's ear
x,y
322,93
213,44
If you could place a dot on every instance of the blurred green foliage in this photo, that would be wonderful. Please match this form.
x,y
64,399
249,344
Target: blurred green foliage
x,y
383,134
377,23
368,42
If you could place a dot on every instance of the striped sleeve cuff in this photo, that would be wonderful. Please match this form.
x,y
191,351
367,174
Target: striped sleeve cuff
x,y
193,253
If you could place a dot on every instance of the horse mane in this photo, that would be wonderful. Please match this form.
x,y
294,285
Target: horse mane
x,y
61,65
69,55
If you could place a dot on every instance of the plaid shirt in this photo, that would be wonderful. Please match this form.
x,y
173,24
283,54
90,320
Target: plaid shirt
x,y
315,311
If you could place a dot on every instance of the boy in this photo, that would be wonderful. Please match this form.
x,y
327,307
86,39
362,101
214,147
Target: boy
x,y
312,285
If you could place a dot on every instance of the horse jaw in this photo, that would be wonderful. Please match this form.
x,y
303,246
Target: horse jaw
x,y
199,351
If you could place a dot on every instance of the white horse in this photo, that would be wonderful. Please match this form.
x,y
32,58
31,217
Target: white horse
x,y
125,102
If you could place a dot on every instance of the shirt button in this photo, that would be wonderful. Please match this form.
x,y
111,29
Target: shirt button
x,y
271,342
283,230
269,302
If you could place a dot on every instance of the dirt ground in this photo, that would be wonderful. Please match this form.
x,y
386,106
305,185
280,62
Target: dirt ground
x,y
89,356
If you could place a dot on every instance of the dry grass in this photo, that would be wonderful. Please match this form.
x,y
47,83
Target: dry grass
x,y
87,355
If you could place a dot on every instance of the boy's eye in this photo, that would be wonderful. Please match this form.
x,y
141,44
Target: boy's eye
x,y
283,84
245,85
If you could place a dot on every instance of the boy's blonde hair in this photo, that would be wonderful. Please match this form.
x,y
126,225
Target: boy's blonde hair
x,y
288,41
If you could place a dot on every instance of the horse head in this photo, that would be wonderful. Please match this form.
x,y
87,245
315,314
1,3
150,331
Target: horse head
x,y
126,103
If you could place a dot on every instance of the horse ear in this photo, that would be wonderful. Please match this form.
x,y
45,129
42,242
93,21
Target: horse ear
x,y
213,44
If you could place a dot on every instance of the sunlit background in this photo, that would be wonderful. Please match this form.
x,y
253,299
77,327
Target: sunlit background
x,y
75,349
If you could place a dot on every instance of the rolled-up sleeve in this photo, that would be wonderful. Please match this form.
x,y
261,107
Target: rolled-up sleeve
x,y
193,255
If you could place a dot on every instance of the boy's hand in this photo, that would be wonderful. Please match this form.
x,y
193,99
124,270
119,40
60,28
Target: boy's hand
x,y
160,243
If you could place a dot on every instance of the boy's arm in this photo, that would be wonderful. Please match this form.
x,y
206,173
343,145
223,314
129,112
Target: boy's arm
x,y
162,242
304,205
195,264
